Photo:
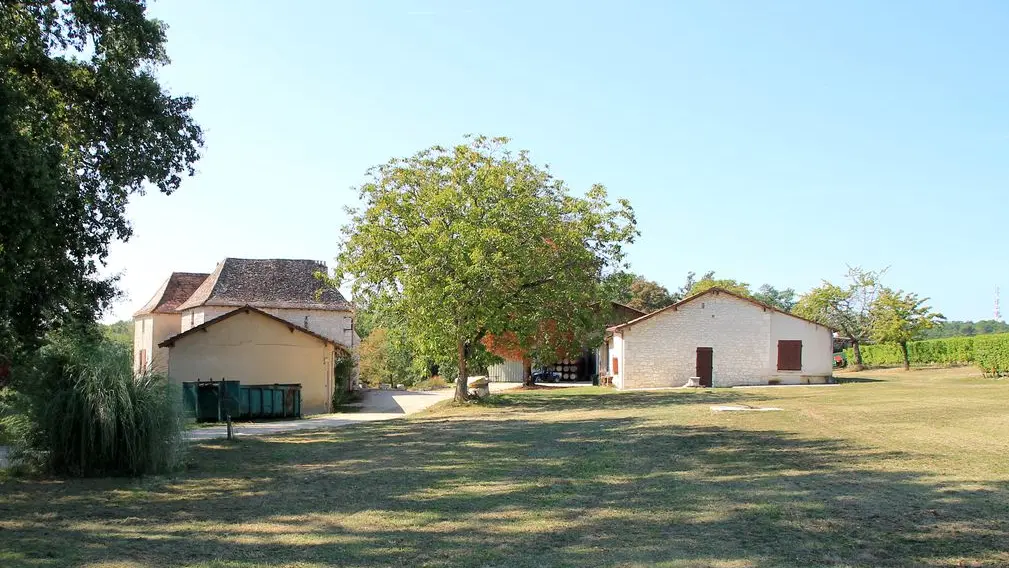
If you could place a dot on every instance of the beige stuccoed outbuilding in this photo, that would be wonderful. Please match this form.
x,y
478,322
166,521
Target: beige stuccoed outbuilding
x,y
256,321
257,348
722,338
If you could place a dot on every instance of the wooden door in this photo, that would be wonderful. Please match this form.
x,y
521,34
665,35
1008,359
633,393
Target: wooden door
x,y
704,360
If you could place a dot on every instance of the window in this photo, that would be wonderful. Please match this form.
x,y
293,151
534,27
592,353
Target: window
x,y
616,366
142,357
789,355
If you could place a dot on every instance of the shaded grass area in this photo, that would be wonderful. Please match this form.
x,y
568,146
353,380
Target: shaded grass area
x,y
906,470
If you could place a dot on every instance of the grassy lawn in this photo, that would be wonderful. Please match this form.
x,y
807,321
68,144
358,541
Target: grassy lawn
x,y
887,469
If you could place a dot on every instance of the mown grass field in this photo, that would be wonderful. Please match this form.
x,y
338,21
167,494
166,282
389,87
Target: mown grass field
x,y
888,469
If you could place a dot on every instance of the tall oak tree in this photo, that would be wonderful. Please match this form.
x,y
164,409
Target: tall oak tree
x,y
84,124
475,240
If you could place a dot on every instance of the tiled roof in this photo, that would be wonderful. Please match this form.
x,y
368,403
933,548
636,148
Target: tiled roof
x,y
267,283
179,287
715,290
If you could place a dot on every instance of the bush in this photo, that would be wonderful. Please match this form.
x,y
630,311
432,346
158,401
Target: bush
x,y
433,383
385,356
989,352
343,373
78,409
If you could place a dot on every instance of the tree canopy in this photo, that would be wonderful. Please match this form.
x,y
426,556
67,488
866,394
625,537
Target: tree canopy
x,y
637,291
784,300
475,240
847,308
707,283
900,317
84,124
648,296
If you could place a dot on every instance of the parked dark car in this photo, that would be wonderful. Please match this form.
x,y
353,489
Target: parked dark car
x,y
546,376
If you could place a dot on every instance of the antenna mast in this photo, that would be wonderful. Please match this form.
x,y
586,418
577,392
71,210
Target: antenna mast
x,y
998,314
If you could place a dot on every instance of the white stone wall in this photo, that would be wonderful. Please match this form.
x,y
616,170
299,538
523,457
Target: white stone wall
x,y
617,354
817,350
143,339
189,319
662,351
201,314
334,325
150,330
165,326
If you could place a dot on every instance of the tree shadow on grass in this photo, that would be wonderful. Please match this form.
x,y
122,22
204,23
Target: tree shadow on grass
x,y
561,399
486,491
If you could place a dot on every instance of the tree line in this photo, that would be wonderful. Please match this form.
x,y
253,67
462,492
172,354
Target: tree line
x,y
645,295
965,329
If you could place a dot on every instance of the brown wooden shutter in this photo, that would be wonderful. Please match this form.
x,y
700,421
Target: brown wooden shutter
x,y
616,366
790,355
143,359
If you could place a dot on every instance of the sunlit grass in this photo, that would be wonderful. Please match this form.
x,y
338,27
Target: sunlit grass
x,y
908,469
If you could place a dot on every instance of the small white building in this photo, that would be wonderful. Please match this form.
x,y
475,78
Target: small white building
x,y
724,339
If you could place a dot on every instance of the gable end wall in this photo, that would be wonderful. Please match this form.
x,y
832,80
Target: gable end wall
x,y
662,351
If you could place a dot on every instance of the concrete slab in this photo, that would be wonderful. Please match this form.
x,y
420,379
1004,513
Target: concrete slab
x,y
742,408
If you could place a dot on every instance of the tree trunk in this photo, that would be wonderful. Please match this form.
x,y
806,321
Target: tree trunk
x,y
907,360
461,383
858,355
527,372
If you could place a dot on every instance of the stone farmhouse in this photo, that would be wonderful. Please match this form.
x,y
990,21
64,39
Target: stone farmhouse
x,y
721,338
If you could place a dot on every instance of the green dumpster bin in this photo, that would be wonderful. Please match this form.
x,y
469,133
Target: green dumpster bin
x,y
213,401
189,399
270,401
208,405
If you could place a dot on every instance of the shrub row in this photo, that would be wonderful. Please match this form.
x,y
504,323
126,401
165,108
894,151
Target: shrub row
x,y
989,352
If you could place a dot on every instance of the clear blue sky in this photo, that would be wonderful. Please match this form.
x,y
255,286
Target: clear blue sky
x,y
768,141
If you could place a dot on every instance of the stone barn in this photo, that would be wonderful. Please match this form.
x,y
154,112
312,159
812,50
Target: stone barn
x,y
722,338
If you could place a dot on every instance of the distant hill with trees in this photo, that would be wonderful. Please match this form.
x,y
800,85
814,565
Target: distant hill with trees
x,y
965,329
